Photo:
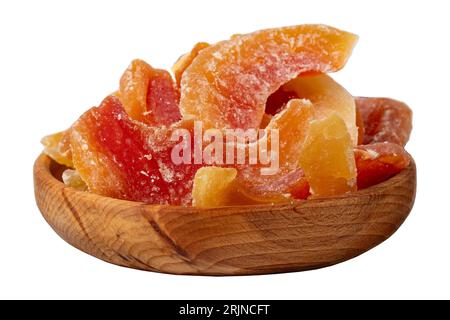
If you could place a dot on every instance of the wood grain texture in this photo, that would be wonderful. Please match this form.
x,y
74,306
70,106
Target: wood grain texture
x,y
224,241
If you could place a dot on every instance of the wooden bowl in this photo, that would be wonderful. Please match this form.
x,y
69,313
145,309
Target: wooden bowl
x,y
240,240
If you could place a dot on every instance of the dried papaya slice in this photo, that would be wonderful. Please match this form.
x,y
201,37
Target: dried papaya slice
x,y
218,187
57,147
385,120
185,61
327,158
228,83
378,162
149,95
327,97
292,124
122,158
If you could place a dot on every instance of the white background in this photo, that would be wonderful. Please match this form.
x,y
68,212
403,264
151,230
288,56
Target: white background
x,y
58,58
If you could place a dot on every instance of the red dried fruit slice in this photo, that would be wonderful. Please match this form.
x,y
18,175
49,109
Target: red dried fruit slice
x,y
385,120
185,61
227,84
57,147
378,162
301,190
149,95
125,159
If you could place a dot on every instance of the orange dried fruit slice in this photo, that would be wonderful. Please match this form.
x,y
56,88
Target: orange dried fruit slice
x,y
327,158
185,61
228,83
57,147
292,125
327,97
385,120
378,162
149,95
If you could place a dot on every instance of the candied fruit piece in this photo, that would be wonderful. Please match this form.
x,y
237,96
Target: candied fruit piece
x,y
218,187
185,61
385,120
292,124
72,178
327,158
149,95
227,85
57,147
301,189
125,159
327,97
378,162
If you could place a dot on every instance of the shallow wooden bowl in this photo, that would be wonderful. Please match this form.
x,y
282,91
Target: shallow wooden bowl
x,y
240,240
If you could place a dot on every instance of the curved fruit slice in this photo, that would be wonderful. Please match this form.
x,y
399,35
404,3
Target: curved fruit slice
x,y
149,95
378,162
125,159
228,83
57,147
327,158
385,120
218,187
185,61
327,97
292,125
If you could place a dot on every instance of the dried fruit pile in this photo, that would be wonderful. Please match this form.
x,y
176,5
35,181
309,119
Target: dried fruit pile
x,y
329,142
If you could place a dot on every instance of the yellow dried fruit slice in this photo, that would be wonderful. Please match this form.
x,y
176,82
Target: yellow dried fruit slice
x,y
327,158
328,97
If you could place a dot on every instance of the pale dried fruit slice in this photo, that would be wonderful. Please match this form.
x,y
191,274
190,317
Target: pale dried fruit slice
x,y
228,83
72,178
327,97
57,147
327,158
